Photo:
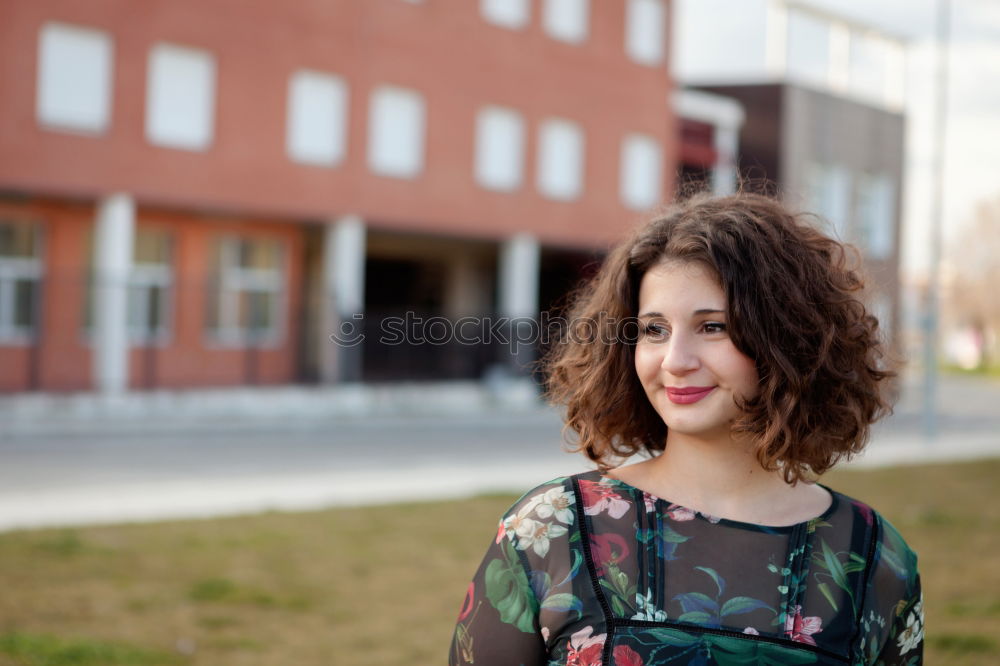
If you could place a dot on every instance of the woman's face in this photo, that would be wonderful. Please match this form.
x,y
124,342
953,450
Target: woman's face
x,y
689,367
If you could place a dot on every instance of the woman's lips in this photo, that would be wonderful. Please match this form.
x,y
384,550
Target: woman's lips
x,y
686,396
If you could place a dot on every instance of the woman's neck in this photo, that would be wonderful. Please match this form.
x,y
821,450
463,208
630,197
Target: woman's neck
x,y
724,478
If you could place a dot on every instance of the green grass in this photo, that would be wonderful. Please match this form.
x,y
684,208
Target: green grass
x,y
382,585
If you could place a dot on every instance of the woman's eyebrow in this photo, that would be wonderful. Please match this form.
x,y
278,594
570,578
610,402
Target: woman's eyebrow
x,y
700,311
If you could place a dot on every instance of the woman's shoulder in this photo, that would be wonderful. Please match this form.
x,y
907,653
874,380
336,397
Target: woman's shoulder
x,y
888,547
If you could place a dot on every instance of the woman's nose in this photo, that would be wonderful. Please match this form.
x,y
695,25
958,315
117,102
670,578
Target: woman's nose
x,y
679,356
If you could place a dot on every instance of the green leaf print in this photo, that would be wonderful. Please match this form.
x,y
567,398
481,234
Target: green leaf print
x,y
731,651
835,569
738,605
721,584
825,589
563,602
508,590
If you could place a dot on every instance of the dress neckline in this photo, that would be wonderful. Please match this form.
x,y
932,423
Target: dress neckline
x,y
699,515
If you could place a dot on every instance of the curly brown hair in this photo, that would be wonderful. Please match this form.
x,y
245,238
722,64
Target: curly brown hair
x,y
793,307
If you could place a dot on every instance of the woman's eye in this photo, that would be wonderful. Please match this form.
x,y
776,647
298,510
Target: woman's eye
x,y
655,331
714,327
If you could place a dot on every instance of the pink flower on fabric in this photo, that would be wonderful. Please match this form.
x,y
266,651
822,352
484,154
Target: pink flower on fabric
x,y
801,628
649,501
585,649
626,656
751,631
470,598
607,549
680,513
599,496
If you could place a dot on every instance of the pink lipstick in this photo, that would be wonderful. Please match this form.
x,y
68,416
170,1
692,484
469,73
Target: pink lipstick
x,y
688,395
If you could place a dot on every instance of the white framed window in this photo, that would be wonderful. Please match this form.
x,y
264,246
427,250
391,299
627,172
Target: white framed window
x,y
828,194
396,128
560,159
317,118
645,31
245,305
20,280
73,90
180,97
150,288
566,20
641,172
513,14
499,148
875,214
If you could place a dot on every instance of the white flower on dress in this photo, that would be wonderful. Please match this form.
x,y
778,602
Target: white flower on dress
x,y
648,610
536,535
751,631
556,502
910,637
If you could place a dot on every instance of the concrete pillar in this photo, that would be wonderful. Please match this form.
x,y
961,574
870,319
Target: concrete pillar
x,y
343,300
113,236
520,258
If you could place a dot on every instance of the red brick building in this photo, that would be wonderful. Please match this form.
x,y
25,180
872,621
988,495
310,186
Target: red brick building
x,y
197,193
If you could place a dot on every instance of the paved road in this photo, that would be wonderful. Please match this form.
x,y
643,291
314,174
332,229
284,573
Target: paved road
x,y
137,471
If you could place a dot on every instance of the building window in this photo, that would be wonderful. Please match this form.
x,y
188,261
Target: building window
x,y
20,280
499,149
150,281
74,78
245,303
645,31
560,159
566,20
180,97
317,118
513,14
828,194
641,172
875,214
396,120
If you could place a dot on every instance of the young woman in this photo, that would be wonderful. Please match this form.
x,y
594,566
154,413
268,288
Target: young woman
x,y
724,341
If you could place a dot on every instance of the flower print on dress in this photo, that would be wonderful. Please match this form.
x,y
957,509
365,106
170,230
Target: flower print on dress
x,y
682,513
679,513
801,628
536,535
556,502
623,655
649,501
647,609
599,496
584,648
751,631
911,636
607,549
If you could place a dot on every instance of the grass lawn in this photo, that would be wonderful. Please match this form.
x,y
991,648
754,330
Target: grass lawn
x,y
383,585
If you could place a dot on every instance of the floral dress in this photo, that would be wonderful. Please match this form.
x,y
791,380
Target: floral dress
x,y
588,570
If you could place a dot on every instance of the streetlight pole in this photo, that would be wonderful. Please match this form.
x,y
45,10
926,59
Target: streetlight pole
x,y
933,297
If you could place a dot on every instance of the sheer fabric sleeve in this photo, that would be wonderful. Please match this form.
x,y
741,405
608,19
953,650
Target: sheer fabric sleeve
x,y
892,621
905,646
499,624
